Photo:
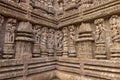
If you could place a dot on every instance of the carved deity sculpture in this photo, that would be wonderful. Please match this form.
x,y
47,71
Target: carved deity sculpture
x,y
115,29
100,39
100,30
50,42
37,39
58,41
37,33
44,36
10,29
72,50
65,41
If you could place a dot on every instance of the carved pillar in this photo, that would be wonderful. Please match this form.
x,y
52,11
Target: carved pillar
x,y
24,40
65,42
37,37
58,42
2,32
85,41
50,42
72,49
9,45
115,37
100,39
43,44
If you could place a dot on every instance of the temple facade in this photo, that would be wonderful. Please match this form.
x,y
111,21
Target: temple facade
x,y
59,39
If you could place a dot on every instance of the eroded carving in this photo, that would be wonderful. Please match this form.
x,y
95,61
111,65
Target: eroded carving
x,y
72,50
100,39
51,42
44,37
58,42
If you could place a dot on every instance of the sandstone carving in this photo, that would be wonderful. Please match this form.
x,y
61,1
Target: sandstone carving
x,y
72,50
44,37
59,39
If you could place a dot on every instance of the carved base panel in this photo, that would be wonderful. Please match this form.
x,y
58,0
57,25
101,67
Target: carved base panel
x,y
115,53
100,52
36,51
8,51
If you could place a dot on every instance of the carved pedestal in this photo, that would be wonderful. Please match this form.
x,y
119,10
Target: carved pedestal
x,y
100,52
36,50
8,51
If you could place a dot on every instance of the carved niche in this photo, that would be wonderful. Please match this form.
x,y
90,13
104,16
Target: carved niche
x,y
9,38
100,39
58,42
50,42
115,37
72,49
43,44
37,40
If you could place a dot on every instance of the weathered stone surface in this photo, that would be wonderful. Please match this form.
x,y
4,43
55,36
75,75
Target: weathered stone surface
x,y
59,40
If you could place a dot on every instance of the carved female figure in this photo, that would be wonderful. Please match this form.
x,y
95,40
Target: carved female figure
x,y
44,39
72,49
114,23
10,29
37,33
100,30
50,41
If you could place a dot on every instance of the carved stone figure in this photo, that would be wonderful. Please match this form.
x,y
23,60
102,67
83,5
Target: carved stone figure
x,y
50,42
44,36
10,29
37,33
115,37
72,50
100,39
114,25
65,41
58,41
37,39
100,30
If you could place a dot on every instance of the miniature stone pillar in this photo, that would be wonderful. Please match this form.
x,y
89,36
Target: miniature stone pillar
x,y
115,37
43,44
100,40
9,45
85,41
24,40
72,48
37,37
65,41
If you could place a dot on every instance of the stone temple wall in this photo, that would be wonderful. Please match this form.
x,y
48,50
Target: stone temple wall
x,y
78,41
